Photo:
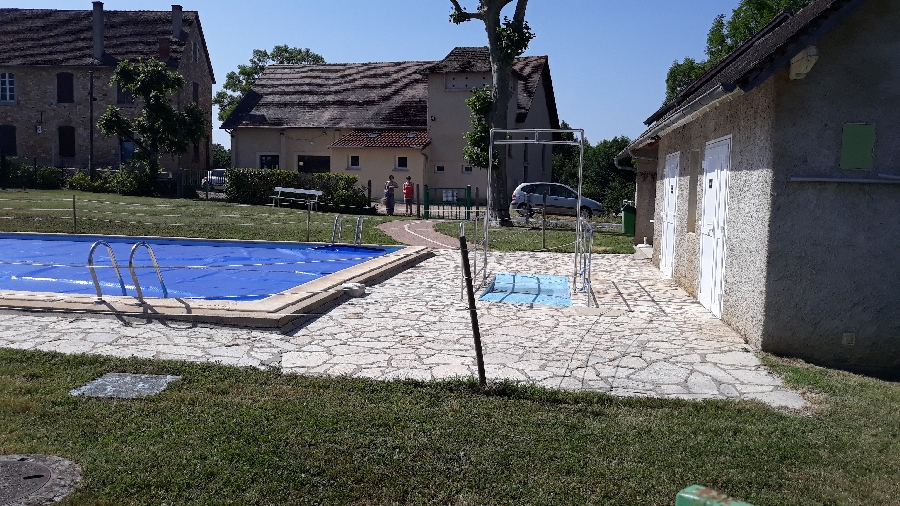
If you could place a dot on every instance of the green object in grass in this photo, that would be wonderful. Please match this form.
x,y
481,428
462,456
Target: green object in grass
x,y
697,495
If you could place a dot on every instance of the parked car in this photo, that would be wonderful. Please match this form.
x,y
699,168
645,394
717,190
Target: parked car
x,y
528,198
214,180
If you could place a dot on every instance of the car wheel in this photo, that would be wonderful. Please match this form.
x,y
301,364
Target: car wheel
x,y
525,210
586,212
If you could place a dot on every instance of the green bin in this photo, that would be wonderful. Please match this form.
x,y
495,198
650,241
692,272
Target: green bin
x,y
629,214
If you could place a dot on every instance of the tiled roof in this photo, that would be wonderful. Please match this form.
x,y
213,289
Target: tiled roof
x,y
384,139
769,50
65,37
347,95
368,95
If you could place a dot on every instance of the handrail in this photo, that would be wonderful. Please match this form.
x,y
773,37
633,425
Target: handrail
x,y
334,231
357,236
137,285
584,248
112,257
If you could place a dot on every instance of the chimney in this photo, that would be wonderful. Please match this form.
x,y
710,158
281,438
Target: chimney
x,y
177,17
165,48
98,30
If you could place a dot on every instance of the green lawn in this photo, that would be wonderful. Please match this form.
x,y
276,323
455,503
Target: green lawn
x,y
223,435
528,238
98,213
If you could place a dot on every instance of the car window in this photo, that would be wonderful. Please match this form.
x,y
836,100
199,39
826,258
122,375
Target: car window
x,y
562,191
540,189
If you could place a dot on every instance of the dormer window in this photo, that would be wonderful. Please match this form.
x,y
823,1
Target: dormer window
x,y
373,135
410,135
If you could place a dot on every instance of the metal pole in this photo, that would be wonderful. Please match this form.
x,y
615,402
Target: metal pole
x,y
308,212
473,313
74,217
91,169
544,224
369,191
418,202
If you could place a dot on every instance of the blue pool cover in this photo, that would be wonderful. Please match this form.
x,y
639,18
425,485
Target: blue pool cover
x,y
529,289
196,269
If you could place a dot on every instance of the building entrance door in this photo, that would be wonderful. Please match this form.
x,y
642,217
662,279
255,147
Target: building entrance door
x,y
716,166
670,198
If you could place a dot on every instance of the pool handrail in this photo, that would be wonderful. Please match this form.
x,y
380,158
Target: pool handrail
x,y
137,285
334,231
357,236
112,257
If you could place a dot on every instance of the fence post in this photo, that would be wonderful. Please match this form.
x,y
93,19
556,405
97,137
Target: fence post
x,y
473,313
544,223
369,191
74,217
427,214
308,211
468,201
418,202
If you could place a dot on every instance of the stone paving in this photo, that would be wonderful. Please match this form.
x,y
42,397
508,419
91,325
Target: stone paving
x,y
644,337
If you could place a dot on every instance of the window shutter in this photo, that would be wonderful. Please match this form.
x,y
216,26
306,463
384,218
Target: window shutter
x,y
67,141
65,88
8,140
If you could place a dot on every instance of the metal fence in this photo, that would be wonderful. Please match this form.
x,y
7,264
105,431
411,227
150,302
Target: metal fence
x,y
448,203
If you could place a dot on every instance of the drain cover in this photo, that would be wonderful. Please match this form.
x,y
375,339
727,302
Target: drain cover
x,y
20,479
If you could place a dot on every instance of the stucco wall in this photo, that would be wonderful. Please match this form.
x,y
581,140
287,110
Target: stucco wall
x,y
248,143
376,164
832,267
645,195
748,119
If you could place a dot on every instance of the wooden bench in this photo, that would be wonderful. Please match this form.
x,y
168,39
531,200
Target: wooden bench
x,y
292,195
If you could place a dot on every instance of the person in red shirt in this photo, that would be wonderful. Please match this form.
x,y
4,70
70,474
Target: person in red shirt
x,y
408,190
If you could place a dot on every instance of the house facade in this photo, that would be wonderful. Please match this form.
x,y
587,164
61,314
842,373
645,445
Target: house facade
x,y
772,183
53,59
375,119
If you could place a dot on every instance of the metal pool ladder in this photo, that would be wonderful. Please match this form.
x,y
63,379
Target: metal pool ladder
x,y
137,285
112,257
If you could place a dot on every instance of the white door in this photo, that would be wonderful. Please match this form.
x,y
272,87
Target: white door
x,y
670,197
716,166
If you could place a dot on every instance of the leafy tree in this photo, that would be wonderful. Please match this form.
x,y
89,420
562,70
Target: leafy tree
x,y
601,179
221,156
725,35
160,128
239,83
507,40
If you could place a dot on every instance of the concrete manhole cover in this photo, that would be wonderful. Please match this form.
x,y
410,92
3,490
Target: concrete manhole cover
x,y
20,479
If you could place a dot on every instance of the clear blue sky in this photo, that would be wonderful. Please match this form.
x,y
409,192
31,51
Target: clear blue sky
x,y
608,58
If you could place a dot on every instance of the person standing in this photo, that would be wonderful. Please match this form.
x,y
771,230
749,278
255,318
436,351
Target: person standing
x,y
389,187
408,190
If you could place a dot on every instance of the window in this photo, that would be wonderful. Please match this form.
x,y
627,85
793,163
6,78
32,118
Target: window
x,y
439,168
402,162
65,88
696,168
8,140
858,146
66,141
354,161
123,96
313,164
268,162
467,169
7,87
196,91
196,158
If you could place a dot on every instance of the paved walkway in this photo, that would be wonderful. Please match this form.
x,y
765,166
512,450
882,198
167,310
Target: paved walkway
x,y
647,338
418,233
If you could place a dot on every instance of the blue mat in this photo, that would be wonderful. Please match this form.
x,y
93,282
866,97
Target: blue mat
x,y
529,289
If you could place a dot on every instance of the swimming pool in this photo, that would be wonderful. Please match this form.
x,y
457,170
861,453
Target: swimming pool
x,y
193,269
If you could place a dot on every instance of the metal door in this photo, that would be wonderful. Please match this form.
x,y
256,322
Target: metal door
x,y
670,199
716,166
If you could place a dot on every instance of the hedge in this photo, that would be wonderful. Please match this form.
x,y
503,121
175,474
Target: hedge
x,y
256,186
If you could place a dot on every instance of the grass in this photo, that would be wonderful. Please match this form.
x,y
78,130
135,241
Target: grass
x,y
97,213
223,435
528,238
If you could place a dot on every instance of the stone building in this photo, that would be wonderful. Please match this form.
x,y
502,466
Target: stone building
x,y
773,186
51,59
374,119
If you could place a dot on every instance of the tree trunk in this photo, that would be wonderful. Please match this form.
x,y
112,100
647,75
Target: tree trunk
x,y
500,72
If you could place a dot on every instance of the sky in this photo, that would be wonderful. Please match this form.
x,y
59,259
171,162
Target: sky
x,y
608,58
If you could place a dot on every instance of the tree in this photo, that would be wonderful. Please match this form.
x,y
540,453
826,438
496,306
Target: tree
x,y
221,156
160,128
240,82
724,36
507,40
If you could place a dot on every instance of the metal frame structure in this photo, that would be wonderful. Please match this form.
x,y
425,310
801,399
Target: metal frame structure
x,y
581,261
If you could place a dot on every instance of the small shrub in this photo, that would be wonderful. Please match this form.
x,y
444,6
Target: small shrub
x,y
81,182
133,182
48,178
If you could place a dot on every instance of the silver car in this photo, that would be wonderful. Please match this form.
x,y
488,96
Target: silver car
x,y
529,197
214,181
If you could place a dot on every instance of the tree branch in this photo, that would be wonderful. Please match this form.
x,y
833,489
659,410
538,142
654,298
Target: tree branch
x,y
519,16
463,15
